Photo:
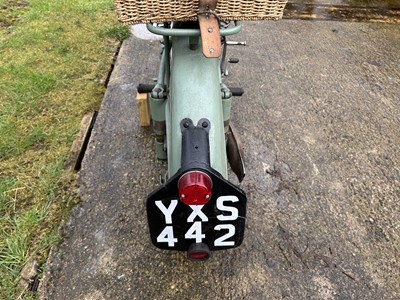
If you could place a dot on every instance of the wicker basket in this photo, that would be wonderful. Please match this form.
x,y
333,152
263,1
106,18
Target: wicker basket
x,y
158,11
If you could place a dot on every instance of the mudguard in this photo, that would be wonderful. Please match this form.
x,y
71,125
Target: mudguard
x,y
195,93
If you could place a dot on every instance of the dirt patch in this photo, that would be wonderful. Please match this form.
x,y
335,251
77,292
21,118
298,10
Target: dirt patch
x,y
11,12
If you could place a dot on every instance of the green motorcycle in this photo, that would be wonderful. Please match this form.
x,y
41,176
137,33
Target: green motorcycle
x,y
197,209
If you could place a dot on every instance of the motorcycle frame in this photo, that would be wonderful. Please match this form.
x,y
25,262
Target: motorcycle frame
x,y
189,85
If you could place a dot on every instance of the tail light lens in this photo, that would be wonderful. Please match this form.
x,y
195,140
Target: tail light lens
x,y
198,252
195,188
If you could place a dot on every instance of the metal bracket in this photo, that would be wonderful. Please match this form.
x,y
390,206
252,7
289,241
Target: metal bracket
x,y
226,92
158,93
195,144
209,28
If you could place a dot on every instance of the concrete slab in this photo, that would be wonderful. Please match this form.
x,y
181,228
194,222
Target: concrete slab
x,y
320,123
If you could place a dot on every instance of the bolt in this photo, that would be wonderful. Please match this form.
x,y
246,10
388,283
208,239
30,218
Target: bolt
x,y
207,196
211,50
205,124
210,30
186,124
183,196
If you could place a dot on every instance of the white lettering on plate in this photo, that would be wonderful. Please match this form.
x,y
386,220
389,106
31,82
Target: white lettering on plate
x,y
229,213
197,212
194,232
221,241
233,210
167,211
167,236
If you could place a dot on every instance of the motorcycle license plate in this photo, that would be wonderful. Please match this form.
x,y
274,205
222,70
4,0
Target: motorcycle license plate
x,y
219,223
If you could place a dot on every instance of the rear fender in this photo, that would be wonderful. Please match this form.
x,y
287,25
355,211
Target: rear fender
x,y
194,93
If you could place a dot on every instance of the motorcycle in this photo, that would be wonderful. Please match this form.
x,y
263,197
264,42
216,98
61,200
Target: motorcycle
x,y
196,209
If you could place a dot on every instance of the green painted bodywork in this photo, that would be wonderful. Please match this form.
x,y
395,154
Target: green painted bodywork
x,y
195,93
191,32
226,106
157,108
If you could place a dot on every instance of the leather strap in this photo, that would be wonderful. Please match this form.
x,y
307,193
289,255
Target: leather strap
x,y
209,28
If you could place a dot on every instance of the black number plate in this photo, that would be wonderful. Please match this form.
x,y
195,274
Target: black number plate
x,y
219,223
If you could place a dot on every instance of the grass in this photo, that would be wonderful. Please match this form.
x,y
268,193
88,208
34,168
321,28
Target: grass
x,y
54,57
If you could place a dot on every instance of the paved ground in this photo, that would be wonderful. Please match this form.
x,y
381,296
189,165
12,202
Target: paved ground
x,y
320,121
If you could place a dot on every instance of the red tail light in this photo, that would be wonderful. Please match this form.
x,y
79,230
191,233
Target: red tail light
x,y
195,188
199,251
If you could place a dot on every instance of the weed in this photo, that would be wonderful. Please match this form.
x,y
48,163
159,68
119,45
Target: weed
x,y
118,32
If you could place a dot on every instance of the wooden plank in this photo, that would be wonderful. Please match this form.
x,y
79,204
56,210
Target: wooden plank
x,y
142,100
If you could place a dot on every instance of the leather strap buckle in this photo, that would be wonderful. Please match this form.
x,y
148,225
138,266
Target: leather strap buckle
x,y
209,28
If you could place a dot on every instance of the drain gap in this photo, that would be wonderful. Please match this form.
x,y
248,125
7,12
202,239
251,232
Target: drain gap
x,y
34,285
114,60
85,142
